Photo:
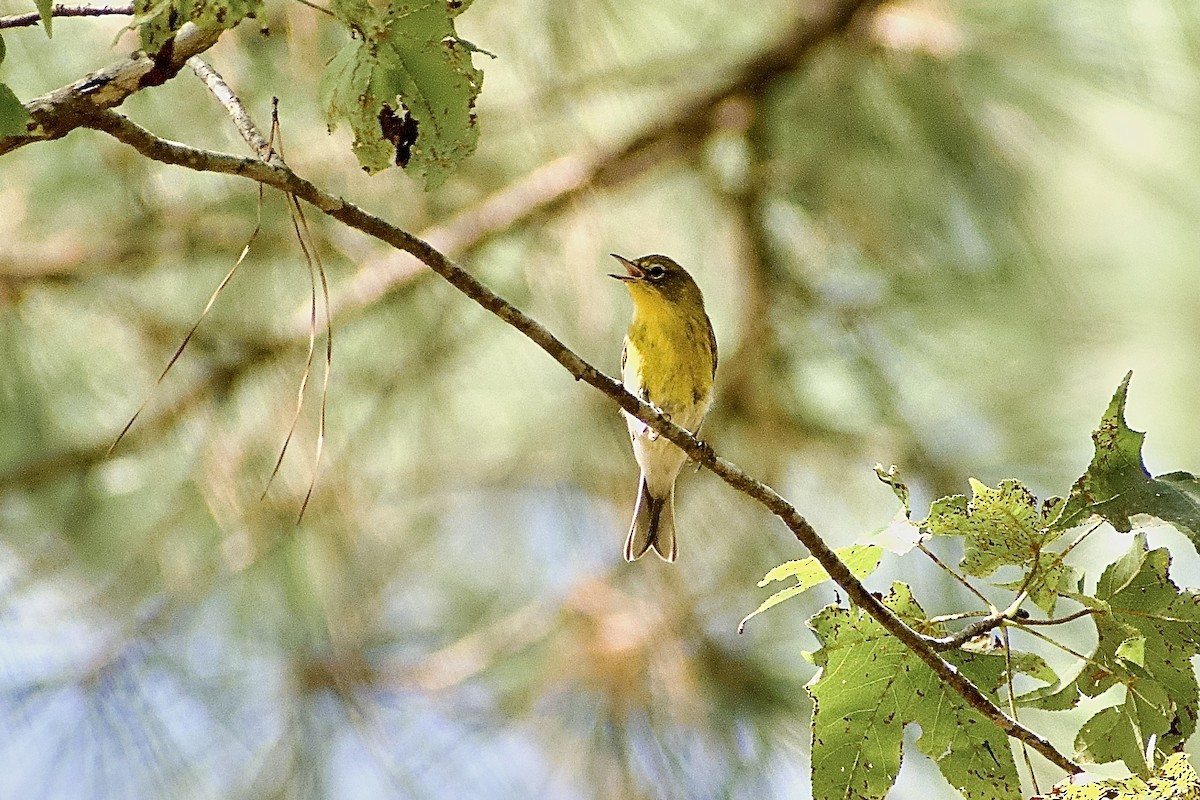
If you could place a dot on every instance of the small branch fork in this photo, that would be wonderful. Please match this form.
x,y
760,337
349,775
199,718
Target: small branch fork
x,y
284,179
998,619
237,111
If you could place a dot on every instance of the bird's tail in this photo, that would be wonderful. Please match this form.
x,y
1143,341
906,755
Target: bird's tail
x,y
653,526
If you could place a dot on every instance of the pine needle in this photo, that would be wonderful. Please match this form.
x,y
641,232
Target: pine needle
x,y
188,338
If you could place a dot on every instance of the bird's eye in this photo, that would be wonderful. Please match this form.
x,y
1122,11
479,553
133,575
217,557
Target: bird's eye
x,y
656,272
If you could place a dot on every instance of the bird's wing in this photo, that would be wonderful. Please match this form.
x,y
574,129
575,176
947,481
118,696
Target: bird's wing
x,y
712,340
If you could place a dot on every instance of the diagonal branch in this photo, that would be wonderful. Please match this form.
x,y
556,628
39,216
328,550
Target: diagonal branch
x,y
56,114
285,180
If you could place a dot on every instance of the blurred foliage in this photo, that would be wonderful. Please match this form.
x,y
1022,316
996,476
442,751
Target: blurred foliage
x,y
935,240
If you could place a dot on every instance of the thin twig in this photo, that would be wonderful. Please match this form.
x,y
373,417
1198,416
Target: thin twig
x,y
33,17
957,616
1066,649
1012,706
988,623
237,110
1083,612
945,568
1079,540
1001,618
316,7
284,179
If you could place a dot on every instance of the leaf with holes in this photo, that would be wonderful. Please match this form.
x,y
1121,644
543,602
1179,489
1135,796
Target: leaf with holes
x,y
157,21
406,87
1147,633
1174,780
1002,527
870,686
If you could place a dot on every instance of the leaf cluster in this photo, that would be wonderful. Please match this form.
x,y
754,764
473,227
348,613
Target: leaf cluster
x,y
1014,553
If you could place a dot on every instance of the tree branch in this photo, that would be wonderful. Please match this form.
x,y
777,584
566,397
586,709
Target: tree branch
x,y
1083,612
33,17
237,110
56,114
285,180
980,627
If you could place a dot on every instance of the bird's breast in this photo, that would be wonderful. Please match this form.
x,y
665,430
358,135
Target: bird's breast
x,y
669,364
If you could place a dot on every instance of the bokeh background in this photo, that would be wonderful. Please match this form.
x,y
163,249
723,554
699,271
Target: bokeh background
x,y
934,234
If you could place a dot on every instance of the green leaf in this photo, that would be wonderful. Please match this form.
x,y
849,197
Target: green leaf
x,y
861,559
891,477
1003,527
870,686
406,87
1115,733
1133,650
2,51
1030,664
1175,780
1034,666
1146,637
45,9
158,21
1117,486
13,116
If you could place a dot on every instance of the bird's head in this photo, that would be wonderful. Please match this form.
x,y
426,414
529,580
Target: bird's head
x,y
654,279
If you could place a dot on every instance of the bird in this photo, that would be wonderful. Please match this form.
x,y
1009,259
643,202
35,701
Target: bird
x,y
669,360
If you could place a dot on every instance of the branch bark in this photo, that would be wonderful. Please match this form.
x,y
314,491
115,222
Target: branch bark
x,y
56,114
285,180
33,17
236,110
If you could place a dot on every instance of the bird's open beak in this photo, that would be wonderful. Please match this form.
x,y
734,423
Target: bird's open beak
x,y
632,272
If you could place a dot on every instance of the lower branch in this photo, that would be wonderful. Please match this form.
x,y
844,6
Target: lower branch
x,y
285,180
